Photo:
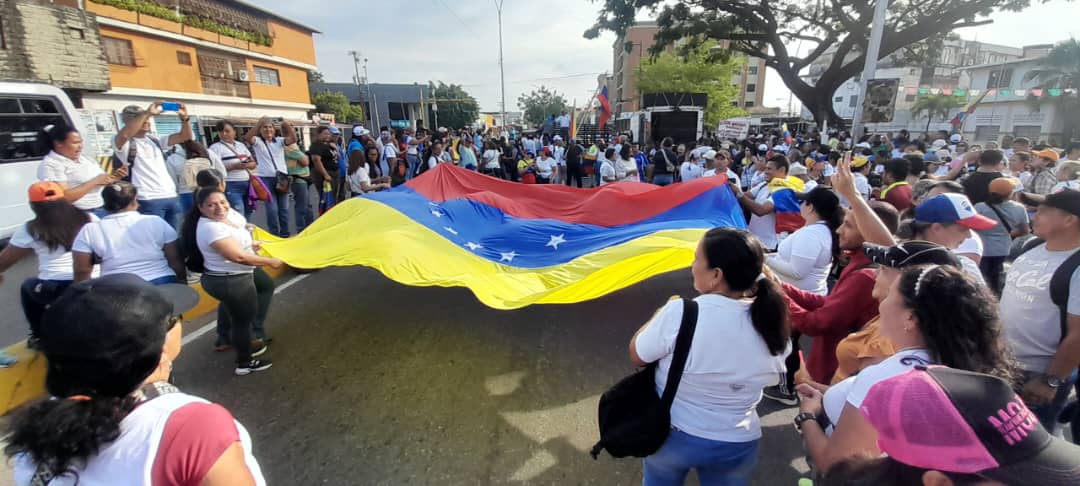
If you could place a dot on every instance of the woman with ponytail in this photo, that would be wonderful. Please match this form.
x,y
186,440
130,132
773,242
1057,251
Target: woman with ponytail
x,y
112,417
738,348
81,177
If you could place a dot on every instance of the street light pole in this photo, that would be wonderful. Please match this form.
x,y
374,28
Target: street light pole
x,y
374,115
870,66
502,72
356,65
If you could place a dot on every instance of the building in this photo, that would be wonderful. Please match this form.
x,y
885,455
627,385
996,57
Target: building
x,y
623,90
943,73
224,59
494,118
1014,106
390,105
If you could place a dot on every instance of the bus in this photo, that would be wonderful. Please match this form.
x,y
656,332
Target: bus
x,y
25,109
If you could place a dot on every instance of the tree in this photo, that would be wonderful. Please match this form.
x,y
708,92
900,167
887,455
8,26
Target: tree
x,y
836,31
314,76
698,69
338,104
457,109
540,103
1060,69
935,105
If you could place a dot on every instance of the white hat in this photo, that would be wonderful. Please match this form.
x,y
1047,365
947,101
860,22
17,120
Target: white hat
x,y
711,155
797,169
359,131
780,148
955,138
556,138
763,148
862,145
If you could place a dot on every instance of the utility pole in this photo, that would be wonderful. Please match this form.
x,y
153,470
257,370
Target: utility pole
x,y
359,87
502,73
870,66
374,115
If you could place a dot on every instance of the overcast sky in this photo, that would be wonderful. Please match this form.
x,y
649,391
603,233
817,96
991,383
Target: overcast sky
x,y
457,41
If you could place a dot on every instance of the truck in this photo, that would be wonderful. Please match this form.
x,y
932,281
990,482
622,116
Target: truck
x,y
680,116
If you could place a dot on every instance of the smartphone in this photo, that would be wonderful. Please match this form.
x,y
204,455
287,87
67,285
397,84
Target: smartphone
x,y
170,106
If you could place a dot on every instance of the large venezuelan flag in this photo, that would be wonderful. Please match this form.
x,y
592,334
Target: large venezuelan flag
x,y
514,244
788,217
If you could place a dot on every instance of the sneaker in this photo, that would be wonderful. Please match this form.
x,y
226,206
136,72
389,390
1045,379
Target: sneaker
x,y
264,339
7,360
222,344
258,350
780,393
252,366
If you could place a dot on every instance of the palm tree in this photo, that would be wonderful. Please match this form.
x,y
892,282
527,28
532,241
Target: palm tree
x,y
934,105
1060,69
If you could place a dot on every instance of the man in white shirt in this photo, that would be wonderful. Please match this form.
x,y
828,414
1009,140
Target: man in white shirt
x,y
690,170
144,154
562,123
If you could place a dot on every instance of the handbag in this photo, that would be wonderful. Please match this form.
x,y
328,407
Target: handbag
x,y
633,420
262,193
282,181
670,166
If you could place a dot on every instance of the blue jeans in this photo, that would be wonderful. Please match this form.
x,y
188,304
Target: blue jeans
x,y
1048,414
302,204
663,179
167,208
187,200
236,192
717,463
171,279
414,160
277,209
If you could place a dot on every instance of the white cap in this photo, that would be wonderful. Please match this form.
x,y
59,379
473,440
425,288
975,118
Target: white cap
x,y
359,131
862,145
763,148
797,169
955,138
711,155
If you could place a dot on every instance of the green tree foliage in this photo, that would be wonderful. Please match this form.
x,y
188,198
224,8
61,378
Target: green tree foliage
x,y
834,33
1061,70
540,103
932,106
457,108
338,104
698,69
314,76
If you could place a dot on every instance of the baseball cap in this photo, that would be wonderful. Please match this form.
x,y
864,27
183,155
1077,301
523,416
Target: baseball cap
x,y
1047,154
954,138
858,162
43,191
938,144
910,253
763,148
797,169
335,131
952,209
709,154
1004,186
1067,200
359,131
958,421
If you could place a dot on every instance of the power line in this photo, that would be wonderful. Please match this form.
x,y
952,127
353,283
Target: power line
x,y
549,78
463,24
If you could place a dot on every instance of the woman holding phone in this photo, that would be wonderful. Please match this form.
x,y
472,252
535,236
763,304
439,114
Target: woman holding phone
x,y
238,164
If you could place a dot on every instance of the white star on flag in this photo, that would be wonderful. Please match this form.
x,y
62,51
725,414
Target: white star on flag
x,y
473,246
507,257
450,230
556,241
436,214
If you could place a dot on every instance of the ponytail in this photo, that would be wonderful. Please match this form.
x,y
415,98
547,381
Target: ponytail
x,y
61,434
189,245
769,313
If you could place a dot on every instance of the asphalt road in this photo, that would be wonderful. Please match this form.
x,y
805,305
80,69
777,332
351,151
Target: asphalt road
x,y
378,383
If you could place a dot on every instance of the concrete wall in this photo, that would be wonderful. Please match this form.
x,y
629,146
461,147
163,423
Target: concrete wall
x,y
51,44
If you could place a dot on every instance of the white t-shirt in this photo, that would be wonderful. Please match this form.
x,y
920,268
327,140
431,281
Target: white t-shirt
x,y
128,242
803,258
972,245
72,173
358,179
150,174
491,159
232,154
763,227
388,152
1029,319
546,166
719,392
437,159
689,171
607,171
52,264
853,390
270,157
626,170
209,231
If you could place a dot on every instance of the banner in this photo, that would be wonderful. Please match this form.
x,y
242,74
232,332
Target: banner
x,y
880,102
735,128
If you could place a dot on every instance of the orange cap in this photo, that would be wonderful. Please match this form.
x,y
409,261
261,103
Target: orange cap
x,y
45,191
1047,154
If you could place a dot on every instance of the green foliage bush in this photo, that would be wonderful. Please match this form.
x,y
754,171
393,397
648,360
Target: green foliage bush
x,y
152,9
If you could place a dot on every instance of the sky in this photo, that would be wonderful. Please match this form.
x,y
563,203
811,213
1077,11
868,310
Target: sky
x,y
457,41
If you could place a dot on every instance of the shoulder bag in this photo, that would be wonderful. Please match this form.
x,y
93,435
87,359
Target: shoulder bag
x,y
282,182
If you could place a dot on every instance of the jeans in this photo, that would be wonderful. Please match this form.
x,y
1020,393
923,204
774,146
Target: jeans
x,y
236,193
171,279
264,289
663,179
993,270
301,204
717,463
36,295
277,209
414,160
187,200
165,208
1048,414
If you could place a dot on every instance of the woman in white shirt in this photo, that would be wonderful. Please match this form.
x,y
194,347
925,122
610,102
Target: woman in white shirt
x,y
490,160
715,426
803,259
547,168
359,174
218,242
269,152
625,165
81,177
238,163
438,156
934,315
128,242
49,236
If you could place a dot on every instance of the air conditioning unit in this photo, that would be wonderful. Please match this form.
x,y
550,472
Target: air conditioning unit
x,y
243,76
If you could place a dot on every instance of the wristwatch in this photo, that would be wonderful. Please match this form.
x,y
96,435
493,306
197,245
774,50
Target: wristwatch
x,y
1054,382
803,417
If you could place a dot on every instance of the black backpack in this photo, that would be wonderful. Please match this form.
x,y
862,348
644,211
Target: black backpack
x,y
1059,281
634,421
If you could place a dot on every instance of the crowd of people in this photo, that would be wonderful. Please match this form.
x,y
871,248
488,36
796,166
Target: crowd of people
x,y
921,270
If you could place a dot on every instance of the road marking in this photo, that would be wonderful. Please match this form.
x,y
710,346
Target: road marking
x,y
213,324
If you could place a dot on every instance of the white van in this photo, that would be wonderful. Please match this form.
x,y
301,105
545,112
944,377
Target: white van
x,y
25,108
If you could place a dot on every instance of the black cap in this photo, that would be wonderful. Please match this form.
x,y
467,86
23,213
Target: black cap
x,y
1067,200
104,336
910,253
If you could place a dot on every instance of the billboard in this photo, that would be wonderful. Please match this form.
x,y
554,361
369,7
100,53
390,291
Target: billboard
x,y
879,105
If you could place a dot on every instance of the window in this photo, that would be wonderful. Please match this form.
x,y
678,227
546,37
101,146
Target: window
x,y
1032,132
838,99
909,98
118,51
76,33
398,111
752,70
219,73
999,78
749,104
734,103
20,122
183,58
853,101
987,133
267,76
750,88
3,41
